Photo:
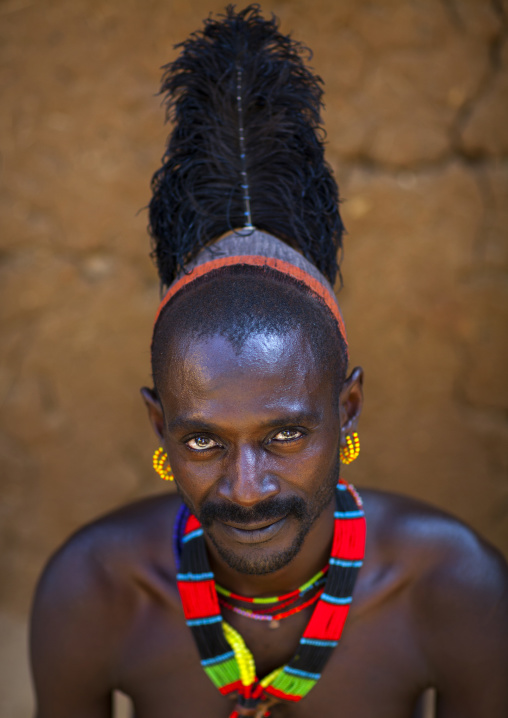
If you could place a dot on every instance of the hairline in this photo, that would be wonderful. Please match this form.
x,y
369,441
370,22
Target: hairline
x,y
275,277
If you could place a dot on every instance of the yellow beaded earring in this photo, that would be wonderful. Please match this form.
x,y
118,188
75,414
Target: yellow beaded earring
x,y
159,459
350,452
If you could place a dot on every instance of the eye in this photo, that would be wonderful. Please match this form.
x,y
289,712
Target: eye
x,y
287,435
201,443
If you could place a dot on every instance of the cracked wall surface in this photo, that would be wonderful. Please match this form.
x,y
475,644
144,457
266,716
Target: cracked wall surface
x,y
416,116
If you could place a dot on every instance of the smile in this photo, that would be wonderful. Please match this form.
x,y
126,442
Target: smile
x,y
255,532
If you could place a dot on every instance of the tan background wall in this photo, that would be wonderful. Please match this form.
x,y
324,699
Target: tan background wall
x,y
418,137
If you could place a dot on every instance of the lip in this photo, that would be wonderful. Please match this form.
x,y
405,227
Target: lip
x,y
254,533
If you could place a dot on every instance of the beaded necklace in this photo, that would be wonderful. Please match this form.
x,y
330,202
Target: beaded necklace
x,y
274,617
224,655
274,608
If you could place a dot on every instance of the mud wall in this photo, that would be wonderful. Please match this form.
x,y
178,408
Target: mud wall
x,y
416,114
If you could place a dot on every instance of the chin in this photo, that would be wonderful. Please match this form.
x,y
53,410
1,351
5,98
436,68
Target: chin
x,y
260,561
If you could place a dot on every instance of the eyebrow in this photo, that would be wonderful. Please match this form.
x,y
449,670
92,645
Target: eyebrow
x,y
189,424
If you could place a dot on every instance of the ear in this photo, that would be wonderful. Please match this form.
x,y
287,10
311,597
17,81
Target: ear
x,y
351,403
155,412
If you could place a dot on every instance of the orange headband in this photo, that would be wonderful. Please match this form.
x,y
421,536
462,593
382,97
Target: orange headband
x,y
254,260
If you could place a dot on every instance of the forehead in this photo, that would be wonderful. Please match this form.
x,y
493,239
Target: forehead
x,y
270,373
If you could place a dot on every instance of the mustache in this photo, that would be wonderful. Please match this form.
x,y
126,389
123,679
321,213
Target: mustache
x,y
271,509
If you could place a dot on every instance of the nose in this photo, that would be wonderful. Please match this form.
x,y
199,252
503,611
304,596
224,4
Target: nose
x,y
246,481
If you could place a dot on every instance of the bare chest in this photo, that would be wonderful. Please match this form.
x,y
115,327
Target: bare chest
x,y
375,669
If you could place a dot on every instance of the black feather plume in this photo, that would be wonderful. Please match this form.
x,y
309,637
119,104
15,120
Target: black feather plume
x,y
246,147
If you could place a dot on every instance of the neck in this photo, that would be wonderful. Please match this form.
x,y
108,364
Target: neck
x,y
311,558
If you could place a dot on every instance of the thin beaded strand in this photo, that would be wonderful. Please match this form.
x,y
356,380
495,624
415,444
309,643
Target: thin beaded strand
x,y
275,599
274,608
269,616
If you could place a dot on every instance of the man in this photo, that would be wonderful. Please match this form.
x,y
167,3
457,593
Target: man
x,y
258,583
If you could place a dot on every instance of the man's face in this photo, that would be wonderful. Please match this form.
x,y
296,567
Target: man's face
x,y
253,441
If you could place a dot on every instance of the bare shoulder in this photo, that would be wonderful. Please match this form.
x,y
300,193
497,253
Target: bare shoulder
x,y
457,596
439,547
91,589
103,555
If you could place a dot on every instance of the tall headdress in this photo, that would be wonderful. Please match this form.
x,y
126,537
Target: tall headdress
x,y
243,179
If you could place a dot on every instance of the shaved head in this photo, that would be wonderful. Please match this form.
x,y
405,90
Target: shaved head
x,y
239,301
